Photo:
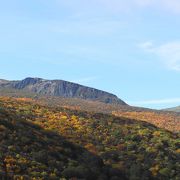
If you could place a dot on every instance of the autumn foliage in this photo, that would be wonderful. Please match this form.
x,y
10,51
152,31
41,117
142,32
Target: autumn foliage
x,y
164,120
41,142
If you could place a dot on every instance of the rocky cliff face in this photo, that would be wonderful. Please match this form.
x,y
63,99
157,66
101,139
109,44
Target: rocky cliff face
x,y
61,88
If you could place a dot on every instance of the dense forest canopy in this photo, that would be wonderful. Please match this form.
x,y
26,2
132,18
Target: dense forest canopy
x,y
41,142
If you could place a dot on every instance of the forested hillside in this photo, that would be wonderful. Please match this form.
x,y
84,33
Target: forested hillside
x,y
163,119
40,142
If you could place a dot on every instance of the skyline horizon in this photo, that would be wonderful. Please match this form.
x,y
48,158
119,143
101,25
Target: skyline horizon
x,y
129,102
130,48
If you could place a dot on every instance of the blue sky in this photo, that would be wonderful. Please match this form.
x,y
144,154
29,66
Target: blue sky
x,y
130,48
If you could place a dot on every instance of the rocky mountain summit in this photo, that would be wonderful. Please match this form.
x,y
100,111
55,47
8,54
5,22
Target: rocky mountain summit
x,y
61,88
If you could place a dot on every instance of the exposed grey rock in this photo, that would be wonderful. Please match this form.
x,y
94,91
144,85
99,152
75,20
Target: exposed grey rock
x,y
62,89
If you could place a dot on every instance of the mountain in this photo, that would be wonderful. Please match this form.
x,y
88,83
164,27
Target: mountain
x,y
41,142
39,90
60,88
174,109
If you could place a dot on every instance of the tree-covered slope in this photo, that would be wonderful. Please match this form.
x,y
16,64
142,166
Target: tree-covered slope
x,y
163,119
30,151
51,143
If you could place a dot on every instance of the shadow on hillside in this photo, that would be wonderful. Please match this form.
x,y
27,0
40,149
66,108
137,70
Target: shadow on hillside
x,y
99,116
30,151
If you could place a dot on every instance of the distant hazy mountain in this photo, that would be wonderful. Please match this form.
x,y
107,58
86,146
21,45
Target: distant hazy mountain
x,y
60,88
175,109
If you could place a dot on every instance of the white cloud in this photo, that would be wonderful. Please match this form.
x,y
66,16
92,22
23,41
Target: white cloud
x,y
85,80
169,53
144,3
156,101
148,45
91,26
172,6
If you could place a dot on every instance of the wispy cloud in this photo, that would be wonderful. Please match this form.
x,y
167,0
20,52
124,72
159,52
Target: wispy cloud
x,y
169,53
172,6
85,80
148,46
156,101
93,26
